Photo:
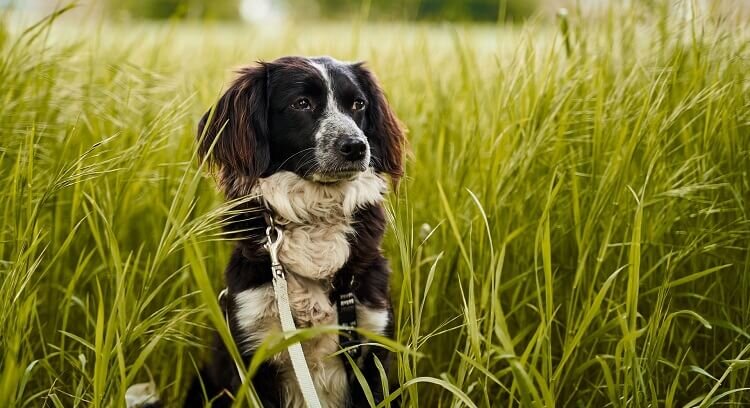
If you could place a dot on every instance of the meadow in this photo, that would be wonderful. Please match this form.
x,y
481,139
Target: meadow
x,y
573,228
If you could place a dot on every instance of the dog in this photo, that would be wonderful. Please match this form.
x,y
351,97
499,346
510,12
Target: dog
x,y
316,145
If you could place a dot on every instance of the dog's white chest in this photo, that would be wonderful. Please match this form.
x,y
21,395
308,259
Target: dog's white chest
x,y
316,218
315,251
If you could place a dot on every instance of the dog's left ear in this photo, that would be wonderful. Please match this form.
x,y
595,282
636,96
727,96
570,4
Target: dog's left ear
x,y
382,126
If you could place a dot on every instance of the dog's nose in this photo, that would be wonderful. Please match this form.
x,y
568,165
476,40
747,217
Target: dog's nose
x,y
352,149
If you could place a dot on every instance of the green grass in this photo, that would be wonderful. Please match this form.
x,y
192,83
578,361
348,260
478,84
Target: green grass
x,y
573,229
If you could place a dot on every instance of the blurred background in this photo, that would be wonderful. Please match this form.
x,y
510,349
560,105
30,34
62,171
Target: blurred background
x,y
275,11
573,228
263,10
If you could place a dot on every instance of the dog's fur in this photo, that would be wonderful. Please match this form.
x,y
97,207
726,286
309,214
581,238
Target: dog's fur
x,y
315,141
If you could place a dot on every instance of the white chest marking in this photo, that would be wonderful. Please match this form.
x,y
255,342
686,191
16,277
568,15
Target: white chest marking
x,y
317,218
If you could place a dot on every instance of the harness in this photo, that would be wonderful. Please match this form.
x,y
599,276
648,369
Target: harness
x,y
342,294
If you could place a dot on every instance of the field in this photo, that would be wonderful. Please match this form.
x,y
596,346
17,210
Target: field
x,y
573,229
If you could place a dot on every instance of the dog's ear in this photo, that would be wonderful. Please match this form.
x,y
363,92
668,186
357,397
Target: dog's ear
x,y
382,127
233,135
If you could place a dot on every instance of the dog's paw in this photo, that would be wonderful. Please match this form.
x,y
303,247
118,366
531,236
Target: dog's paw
x,y
143,395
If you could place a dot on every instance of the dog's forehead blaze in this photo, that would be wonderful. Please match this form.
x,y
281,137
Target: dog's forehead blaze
x,y
306,75
340,76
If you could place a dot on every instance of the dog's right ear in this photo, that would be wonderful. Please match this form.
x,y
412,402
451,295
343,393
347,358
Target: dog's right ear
x,y
233,135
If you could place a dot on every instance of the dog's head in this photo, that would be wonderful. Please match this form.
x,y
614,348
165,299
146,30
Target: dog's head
x,y
320,118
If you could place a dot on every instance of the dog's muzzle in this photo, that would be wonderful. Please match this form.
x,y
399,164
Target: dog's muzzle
x,y
342,150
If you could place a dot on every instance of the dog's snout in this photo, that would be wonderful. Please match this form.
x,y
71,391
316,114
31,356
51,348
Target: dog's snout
x,y
352,149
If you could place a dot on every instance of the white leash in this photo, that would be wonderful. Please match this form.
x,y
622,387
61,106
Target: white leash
x,y
299,363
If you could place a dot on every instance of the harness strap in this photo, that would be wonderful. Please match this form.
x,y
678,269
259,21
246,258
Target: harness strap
x,y
346,307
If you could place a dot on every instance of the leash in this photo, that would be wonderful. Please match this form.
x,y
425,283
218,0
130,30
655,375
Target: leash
x,y
299,363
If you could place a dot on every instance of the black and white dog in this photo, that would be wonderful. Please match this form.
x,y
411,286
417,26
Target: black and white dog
x,y
315,141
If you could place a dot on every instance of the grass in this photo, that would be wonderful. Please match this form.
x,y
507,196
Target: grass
x,y
573,229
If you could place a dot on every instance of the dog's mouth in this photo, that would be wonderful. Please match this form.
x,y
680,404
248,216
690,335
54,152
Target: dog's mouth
x,y
334,165
335,177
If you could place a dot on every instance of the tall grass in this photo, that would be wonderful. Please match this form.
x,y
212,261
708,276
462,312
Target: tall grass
x,y
573,230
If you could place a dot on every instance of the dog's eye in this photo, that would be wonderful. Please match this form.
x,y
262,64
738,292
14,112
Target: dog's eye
x,y
359,104
302,104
